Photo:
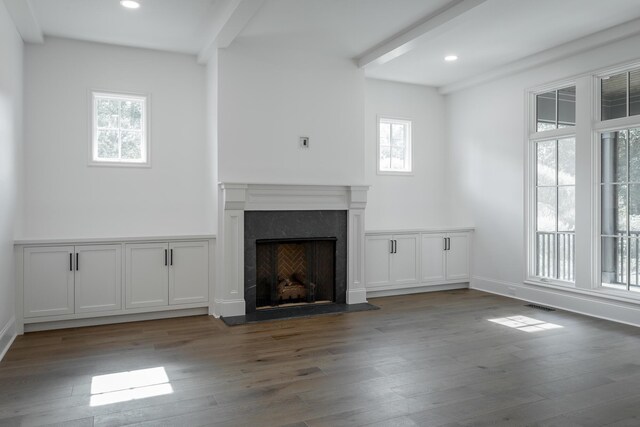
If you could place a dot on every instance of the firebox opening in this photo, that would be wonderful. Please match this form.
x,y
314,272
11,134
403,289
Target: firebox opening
x,y
295,271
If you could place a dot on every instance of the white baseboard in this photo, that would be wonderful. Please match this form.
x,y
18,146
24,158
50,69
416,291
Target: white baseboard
x,y
563,299
95,321
415,290
7,335
229,308
357,296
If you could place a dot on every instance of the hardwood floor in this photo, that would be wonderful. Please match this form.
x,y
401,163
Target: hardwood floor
x,y
430,359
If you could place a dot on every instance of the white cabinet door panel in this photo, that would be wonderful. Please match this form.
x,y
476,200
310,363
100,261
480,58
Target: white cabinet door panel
x,y
188,272
404,260
98,278
377,252
433,257
458,257
147,277
48,281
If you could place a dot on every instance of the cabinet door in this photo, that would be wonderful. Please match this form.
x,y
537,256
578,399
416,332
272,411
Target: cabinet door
x,y
458,257
48,281
433,258
377,267
98,278
188,272
404,260
147,275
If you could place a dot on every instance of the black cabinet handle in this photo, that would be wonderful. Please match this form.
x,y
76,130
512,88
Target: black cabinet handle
x,y
444,239
165,257
395,246
448,243
391,248
171,263
70,261
77,261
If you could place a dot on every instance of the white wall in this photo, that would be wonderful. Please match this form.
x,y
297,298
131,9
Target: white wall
x,y
486,134
271,96
420,200
212,141
67,198
11,49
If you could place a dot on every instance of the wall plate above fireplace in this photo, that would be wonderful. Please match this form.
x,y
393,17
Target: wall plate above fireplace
x,y
304,142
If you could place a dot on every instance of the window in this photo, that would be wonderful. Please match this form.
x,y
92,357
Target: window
x,y
585,213
552,186
556,109
119,129
620,95
394,146
555,209
620,209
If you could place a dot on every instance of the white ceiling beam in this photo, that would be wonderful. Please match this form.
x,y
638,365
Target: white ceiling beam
x,y
227,20
574,47
431,26
25,20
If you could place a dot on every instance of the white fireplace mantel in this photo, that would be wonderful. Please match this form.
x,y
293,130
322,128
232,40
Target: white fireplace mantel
x,y
236,198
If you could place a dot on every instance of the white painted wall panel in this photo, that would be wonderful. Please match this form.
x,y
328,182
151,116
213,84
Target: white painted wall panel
x,y
11,98
67,198
420,200
269,97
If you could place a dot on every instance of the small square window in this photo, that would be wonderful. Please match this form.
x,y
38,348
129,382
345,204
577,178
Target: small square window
x,y
119,129
556,109
394,146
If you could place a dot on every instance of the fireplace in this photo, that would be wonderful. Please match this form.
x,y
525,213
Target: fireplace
x,y
250,214
294,257
295,272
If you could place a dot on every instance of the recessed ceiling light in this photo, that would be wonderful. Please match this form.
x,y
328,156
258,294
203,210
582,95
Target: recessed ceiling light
x,y
450,58
130,4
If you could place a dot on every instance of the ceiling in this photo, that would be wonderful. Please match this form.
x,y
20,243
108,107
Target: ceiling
x,y
485,34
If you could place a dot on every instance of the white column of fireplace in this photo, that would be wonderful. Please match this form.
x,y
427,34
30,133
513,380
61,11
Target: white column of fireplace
x,y
236,198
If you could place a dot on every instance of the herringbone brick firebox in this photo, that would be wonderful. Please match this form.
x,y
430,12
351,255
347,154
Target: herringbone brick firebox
x,y
295,271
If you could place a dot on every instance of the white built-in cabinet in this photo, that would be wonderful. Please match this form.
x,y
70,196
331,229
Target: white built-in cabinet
x,y
392,260
97,279
396,261
71,279
160,274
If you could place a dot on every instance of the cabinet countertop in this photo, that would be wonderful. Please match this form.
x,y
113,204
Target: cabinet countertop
x,y
98,240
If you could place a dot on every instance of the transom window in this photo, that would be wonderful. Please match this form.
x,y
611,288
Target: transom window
x,y
119,129
556,109
620,95
394,146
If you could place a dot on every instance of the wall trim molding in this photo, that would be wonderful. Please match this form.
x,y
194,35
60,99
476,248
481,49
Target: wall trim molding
x,y
564,299
416,290
571,48
108,320
7,336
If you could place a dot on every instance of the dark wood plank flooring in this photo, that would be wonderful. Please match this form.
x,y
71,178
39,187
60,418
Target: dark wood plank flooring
x,y
431,360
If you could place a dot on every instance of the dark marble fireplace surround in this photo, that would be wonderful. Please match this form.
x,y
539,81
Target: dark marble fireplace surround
x,y
294,224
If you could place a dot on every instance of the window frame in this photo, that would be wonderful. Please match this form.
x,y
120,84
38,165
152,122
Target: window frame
x,y
145,129
532,138
599,127
409,143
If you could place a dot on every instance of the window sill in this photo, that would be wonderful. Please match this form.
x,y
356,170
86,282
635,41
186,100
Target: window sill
x,y
120,164
395,173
